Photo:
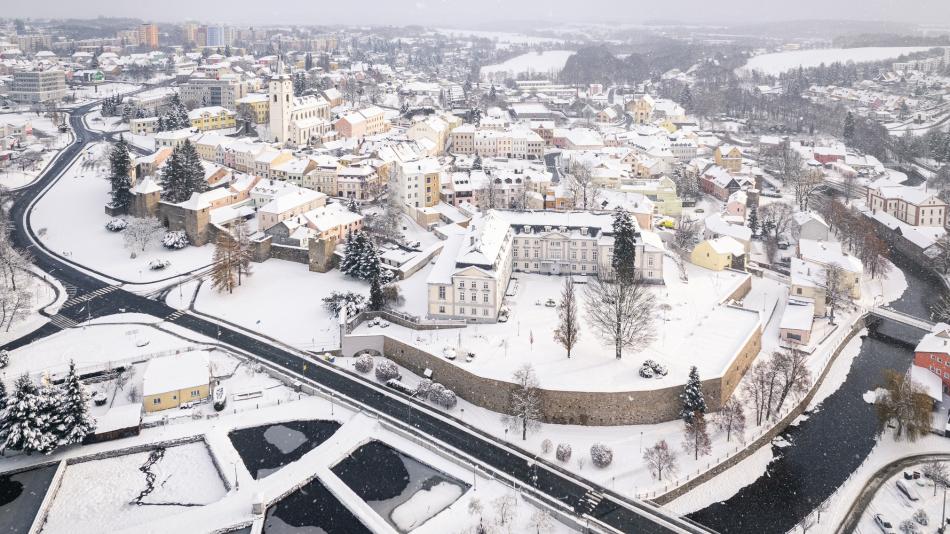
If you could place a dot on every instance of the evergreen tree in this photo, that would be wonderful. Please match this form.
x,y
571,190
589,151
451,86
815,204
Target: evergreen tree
x,y
119,163
753,221
352,251
183,174
25,426
625,242
686,98
227,51
848,132
376,299
694,403
75,421
3,413
300,83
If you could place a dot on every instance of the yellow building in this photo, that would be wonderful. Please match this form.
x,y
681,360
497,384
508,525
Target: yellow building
x,y
255,107
170,381
719,254
642,109
729,157
212,118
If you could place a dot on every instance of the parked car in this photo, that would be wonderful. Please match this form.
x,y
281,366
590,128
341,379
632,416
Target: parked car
x,y
909,492
550,303
883,524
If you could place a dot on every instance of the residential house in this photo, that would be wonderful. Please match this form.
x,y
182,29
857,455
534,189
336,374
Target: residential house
x,y
719,254
170,381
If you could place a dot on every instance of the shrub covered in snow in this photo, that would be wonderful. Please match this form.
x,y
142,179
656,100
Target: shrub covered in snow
x,y
546,446
364,363
448,399
386,370
920,516
652,369
158,264
176,240
435,392
117,225
4,358
601,455
423,388
909,527
353,302
563,452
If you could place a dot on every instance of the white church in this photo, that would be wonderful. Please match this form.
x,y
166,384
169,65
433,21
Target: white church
x,y
296,120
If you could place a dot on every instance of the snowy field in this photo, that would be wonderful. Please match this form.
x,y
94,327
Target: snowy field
x,y
284,300
70,220
96,496
87,93
780,62
547,62
501,348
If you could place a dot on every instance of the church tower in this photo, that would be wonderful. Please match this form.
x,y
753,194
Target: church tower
x,y
281,94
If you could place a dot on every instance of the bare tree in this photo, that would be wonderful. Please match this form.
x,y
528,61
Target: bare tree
x,y
505,507
141,232
905,404
568,330
621,311
686,235
806,185
776,221
696,437
14,305
541,521
660,457
524,402
836,294
940,311
937,472
790,368
731,418
581,186
490,195
806,523
244,251
849,187
758,388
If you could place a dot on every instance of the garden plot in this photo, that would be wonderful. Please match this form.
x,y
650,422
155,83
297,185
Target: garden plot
x,y
401,489
70,220
266,449
311,509
134,489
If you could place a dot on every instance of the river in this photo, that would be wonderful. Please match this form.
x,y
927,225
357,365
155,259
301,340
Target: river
x,y
830,445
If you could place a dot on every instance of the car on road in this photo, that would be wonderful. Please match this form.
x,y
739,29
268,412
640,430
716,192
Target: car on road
x,y
883,524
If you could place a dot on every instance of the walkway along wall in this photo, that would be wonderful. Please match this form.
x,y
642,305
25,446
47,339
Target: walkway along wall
x,y
596,408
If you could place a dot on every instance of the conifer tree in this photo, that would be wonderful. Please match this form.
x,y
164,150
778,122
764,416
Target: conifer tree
x,y
694,403
25,426
183,174
224,273
75,421
376,299
121,184
753,222
625,242
351,252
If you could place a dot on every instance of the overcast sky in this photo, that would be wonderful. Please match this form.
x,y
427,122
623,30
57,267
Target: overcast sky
x,y
467,13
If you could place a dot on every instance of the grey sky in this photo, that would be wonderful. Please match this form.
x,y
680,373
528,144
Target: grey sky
x,y
466,13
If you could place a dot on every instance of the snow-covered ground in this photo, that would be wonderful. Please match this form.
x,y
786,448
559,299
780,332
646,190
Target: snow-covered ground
x,y
46,138
896,507
70,220
84,94
780,62
96,496
527,337
546,62
499,37
96,122
284,300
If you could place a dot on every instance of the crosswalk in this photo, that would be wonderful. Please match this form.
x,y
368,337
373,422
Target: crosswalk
x,y
175,315
62,321
590,502
74,300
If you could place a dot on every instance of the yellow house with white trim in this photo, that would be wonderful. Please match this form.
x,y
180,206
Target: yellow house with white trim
x,y
170,381
719,254
212,118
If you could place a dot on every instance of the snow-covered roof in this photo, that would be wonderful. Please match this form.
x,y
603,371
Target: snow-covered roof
x,y
798,316
928,380
715,224
827,253
146,185
486,237
119,418
173,373
727,245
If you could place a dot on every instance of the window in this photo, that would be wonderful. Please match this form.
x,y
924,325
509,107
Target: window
x,y
474,285
441,309
474,297
485,312
485,296
485,285
461,285
462,296
157,400
195,392
461,311
441,292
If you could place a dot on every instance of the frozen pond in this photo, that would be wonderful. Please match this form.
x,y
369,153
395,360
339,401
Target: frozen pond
x,y
311,509
265,449
20,497
401,489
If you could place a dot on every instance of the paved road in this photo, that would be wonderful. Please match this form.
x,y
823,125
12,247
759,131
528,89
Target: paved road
x,y
558,487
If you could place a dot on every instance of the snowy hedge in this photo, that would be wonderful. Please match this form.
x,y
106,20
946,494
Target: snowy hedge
x,y
176,240
546,446
364,363
601,454
563,452
423,388
353,302
386,370
4,358
652,369
448,399
117,225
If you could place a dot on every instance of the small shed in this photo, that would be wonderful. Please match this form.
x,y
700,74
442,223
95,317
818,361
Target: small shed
x,y
797,321
119,422
170,381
